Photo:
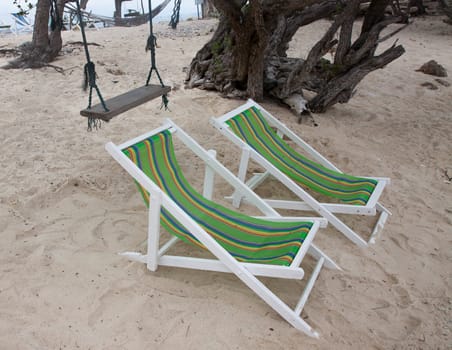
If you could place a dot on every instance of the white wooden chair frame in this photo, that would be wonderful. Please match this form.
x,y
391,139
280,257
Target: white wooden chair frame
x,y
307,203
247,272
21,25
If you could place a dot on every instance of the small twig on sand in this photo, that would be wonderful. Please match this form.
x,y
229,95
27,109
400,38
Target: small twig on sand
x,y
380,307
81,43
58,69
446,174
386,37
71,68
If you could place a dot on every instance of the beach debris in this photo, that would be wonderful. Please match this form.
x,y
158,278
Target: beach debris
x,y
115,71
297,103
433,68
443,82
429,85
447,176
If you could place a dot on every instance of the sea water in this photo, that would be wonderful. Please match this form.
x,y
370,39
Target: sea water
x,y
106,8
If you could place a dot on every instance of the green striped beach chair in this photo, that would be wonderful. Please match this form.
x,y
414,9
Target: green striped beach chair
x,y
269,245
262,138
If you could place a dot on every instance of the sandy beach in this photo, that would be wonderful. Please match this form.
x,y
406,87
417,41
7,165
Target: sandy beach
x,y
67,208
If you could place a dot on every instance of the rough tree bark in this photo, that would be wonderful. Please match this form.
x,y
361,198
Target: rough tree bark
x,y
208,9
447,8
247,55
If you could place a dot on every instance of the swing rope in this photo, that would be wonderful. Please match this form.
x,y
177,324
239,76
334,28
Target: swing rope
x,y
90,74
175,16
151,45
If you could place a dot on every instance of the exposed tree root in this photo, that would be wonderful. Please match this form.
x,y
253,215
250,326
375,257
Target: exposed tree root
x,y
5,52
31,57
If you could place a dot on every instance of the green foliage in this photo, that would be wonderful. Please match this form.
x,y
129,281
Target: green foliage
x,y
339,9
24,6
227,42
217,48
218,65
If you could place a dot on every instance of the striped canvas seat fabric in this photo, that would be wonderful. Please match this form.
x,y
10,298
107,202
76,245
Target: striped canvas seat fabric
x,y
246,238
253,129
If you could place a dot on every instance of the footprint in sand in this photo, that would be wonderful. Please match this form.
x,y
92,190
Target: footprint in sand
x,y
403,299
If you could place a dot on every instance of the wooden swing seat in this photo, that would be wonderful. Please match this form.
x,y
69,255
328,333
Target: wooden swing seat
x,y
122,103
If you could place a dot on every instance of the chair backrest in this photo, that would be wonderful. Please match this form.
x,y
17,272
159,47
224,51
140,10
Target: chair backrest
x,y
253,129
20,19
246,238
21,24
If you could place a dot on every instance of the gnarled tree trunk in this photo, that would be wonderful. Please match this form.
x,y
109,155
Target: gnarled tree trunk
x,y
208,9
46,44
247,55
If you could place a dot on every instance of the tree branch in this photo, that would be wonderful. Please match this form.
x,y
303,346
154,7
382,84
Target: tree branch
x,y
375,14
367,43
345,38
287,6
232,9
341,89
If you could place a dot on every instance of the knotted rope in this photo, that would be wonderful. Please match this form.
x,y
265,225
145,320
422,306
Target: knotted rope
x,y
151,45
90,75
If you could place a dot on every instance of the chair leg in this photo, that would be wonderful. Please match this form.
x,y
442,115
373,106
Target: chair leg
x,y
290,315
276,303
309,286
384,214
155,203
252,183
209,178
304,196
244,160
343,228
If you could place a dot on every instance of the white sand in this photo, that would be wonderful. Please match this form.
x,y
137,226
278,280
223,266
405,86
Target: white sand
x,y
66,209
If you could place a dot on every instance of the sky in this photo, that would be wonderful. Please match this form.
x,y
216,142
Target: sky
x,y
106,8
